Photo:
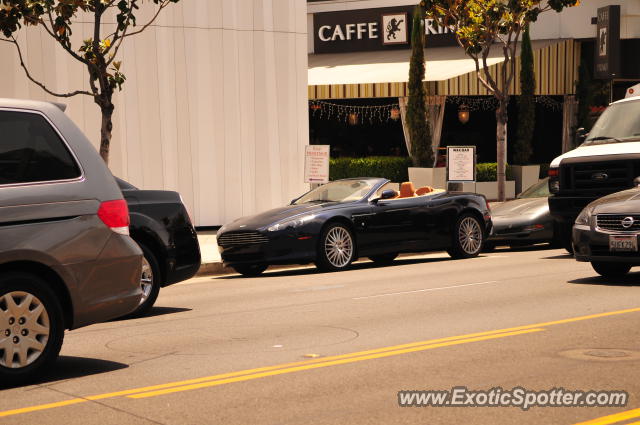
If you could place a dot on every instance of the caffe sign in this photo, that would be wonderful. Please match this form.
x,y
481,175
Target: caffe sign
x,y
372,29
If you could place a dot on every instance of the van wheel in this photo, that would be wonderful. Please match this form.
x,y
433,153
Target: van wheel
x,y
611,269
31,328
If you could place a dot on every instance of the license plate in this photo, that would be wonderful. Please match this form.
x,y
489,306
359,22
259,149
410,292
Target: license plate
x,y
623,243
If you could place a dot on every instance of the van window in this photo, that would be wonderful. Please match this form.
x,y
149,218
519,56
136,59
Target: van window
x,y
618,123
31,151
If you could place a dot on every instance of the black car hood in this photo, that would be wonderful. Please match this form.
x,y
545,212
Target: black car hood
x,y
627,201
275,215
521,207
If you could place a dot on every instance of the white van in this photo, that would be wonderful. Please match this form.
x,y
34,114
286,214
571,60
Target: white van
x,y
608,161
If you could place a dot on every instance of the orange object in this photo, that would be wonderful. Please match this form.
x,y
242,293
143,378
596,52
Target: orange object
x,y
407,190
424,190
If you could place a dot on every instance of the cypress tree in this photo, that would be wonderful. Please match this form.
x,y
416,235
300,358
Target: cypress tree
x,y
526,104
421,152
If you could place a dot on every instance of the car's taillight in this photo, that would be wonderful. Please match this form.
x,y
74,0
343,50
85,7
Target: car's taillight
x,y
115,215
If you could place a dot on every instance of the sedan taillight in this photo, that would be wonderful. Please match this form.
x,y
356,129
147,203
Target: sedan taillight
x,y
115,215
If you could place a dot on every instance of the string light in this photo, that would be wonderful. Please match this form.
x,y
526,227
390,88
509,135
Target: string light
x,y
490,103
346,113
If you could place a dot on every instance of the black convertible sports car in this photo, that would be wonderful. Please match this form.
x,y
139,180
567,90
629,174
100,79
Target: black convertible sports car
x,y
335,224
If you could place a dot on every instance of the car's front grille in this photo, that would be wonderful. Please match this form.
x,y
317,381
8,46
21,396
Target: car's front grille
x,y
617,222
241,239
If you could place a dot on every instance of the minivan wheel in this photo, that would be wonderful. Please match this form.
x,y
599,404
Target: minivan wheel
x,y
150,282
31,328
336,249
467,237
611,269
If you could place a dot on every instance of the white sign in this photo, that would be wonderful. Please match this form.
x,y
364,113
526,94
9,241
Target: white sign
x,y
461,163
316,164
395,28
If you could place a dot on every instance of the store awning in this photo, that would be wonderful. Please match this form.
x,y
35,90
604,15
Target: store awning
x,y
449,71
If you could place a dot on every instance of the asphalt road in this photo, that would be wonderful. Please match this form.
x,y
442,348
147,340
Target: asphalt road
x,y
299,347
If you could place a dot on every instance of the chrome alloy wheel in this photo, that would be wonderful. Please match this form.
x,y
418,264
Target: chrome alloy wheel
x,y
146,280
24,329
470,235
338,247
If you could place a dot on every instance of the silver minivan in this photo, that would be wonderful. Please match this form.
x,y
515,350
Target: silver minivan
x,y
66,259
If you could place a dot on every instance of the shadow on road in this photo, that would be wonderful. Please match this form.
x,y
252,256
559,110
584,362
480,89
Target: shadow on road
x,y
357,266
559,257
630,279
69,367
155,311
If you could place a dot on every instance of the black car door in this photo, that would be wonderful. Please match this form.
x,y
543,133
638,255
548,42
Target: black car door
x,y
399,224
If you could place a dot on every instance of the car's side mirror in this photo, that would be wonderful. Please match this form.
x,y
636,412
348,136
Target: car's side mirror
x,y
386,194
581,134
636,181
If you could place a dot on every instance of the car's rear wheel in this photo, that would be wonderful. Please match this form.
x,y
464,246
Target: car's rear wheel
x,y
250,270
384,258
467,237
31,328
611,269
150,282
337,248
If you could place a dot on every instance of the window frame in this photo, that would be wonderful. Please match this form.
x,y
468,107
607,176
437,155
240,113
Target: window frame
x,y
74,157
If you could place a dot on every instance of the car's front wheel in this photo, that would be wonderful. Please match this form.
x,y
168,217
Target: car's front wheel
x,y
31,328
467,237
250,270
336,249
611,269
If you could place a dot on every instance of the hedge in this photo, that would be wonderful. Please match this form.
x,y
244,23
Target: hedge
x,y
488,172
395,168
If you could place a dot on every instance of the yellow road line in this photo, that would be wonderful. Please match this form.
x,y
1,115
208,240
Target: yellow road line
x,y
326,364
310,364
611,419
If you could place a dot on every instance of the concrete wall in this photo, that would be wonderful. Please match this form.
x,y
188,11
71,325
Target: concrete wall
x,y
574,22
215,103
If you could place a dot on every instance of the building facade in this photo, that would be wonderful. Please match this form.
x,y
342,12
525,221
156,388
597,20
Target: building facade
x,y
214,106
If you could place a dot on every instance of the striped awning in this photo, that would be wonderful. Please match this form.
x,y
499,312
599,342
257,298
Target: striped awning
x,y
448,70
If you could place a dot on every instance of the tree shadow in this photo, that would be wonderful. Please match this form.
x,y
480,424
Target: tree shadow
x,y
69,367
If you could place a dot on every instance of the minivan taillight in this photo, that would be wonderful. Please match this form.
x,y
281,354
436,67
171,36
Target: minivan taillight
x,y
115,215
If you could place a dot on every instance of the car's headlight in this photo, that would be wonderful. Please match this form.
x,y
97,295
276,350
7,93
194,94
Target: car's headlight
x,y
584,218
294,223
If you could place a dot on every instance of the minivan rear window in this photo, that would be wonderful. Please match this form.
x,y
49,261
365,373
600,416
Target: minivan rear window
x,y
31,150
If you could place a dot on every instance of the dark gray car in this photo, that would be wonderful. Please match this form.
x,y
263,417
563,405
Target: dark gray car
x,y
606,233
66,259
523,221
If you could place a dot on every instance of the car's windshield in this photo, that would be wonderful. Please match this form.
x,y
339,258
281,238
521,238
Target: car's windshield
x,y
338,191
620,122
538,190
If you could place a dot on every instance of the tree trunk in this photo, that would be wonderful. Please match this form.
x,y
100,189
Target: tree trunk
x,y
107,126
501,154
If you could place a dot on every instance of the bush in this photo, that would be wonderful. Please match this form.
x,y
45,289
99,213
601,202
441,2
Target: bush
x,y
488,172
394,168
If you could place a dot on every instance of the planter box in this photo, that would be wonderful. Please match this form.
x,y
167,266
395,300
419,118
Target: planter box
x,y
526,176
490,189
434,177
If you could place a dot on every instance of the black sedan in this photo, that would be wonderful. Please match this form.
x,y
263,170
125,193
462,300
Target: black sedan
x,y
606,233
162,228
337,223
523,221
